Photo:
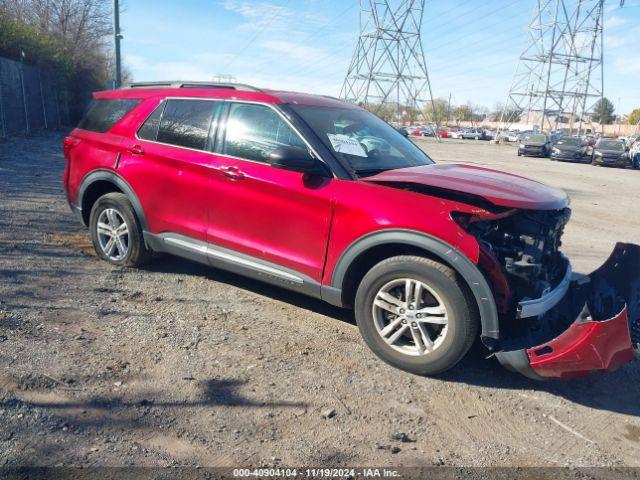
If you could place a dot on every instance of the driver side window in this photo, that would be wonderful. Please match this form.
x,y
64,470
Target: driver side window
x,y
254,131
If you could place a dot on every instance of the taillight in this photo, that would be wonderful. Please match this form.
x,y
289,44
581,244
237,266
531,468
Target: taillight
x,y
68,144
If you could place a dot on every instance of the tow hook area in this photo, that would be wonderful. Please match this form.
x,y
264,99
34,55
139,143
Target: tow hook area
x,y
595,327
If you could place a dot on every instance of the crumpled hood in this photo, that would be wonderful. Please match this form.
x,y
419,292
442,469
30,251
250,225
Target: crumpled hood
x,y
499,188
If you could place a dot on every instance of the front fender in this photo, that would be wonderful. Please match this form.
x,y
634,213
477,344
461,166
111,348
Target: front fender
x,y
447,253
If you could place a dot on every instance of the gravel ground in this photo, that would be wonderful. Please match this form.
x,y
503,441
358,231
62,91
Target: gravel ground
x,y
178,364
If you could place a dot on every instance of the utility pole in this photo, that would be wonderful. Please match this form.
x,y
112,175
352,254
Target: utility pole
x,y
117,36
388,65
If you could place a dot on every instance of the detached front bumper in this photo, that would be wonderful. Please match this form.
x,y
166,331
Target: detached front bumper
x,y
595,326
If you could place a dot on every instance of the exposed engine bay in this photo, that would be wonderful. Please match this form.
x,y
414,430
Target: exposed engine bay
x,y
526,244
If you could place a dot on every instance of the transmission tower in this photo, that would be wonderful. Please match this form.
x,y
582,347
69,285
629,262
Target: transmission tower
x,y
388,65
559,73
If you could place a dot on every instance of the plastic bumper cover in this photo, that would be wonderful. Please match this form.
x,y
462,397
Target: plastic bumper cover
x,y
601,313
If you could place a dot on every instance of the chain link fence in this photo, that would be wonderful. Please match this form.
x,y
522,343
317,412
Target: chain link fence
x,y
31,100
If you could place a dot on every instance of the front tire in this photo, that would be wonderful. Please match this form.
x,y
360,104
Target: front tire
x,y
116,232
416,314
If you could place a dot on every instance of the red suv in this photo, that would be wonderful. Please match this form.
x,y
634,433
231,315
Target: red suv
x,y
324,198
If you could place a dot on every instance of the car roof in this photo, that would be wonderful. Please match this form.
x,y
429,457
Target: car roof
x,y
144,90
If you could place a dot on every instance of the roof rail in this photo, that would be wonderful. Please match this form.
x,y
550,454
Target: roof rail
x,y
196,84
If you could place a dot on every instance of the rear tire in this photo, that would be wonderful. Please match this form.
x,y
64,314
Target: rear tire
x,y
116,232
402,333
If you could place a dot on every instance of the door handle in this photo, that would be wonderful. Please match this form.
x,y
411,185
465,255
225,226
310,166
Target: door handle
x,y
135,150
233,173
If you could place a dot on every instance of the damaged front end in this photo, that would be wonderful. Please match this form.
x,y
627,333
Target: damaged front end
x,y
554,325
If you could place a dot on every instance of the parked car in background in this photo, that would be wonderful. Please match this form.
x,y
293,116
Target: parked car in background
x,y
609,151
490,134
509,136
403,131
556,135
570,149
535,145
631,140
589,139
455,133
473,133
634,154
443,133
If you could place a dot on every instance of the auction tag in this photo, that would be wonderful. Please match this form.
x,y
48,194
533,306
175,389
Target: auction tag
x,y
345,144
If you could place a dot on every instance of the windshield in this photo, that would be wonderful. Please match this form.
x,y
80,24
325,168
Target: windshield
x,y
363,142
610,145
573,142
536,138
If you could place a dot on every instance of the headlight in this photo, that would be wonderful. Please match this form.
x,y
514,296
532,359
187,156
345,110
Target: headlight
x,y
623,155
521,145
597,153
555,150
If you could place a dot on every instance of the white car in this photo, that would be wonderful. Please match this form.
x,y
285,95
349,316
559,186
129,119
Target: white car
x,y
509,136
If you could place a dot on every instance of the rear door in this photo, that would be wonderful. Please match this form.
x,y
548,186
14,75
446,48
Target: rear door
x,y
168,165
278,216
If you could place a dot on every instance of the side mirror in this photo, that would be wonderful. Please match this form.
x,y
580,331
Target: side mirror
x,y
297,159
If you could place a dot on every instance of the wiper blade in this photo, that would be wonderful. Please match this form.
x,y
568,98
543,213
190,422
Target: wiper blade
x,y
365,172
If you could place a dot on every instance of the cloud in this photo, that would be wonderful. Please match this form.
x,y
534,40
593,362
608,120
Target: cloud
x,y
614,21
260,16
627,64
614,41
274,18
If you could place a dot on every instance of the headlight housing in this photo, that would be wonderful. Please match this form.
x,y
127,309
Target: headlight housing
x,y
597,153
521,145
555,150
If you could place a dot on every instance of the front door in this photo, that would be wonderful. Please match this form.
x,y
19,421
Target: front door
x,y
278,216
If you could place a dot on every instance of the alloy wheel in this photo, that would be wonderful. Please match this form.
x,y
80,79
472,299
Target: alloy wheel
x,y
410,316
113,234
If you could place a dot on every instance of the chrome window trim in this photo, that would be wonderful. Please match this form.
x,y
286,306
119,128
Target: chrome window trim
x,y
233,100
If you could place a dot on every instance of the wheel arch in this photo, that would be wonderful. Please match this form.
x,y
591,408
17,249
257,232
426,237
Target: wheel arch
x,y
100,182
370,249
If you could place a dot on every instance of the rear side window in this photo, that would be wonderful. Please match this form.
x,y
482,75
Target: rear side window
x,y
149,129
254,131
186,123
104,113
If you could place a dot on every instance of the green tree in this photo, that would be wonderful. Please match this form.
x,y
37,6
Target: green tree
x,y
603,112
386,111
437,111
634,117
462,113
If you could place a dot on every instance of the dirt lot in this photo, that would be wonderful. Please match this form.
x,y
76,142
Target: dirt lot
x,y
178,364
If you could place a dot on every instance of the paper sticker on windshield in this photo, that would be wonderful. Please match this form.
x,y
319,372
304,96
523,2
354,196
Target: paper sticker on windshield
x,y
345,144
